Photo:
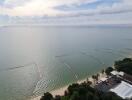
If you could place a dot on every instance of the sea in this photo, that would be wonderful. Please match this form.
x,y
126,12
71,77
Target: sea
x,y
39,59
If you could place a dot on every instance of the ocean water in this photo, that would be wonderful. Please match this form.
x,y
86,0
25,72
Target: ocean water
x,y
37,59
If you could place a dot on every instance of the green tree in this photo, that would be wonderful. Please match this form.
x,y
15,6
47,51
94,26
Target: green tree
x,y
124,65
57,97
110,96
109,70
75,96
47,96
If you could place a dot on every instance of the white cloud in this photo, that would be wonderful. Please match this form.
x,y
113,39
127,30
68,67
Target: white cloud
x,y
46,7
27,9
37,7
13,3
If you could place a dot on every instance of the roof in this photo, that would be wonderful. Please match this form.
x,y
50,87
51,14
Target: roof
x,y
114,73
103,79
128,77
124,90
121,73
117,73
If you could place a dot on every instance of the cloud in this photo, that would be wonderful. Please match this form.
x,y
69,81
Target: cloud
x,y
48,11
37,7
47,7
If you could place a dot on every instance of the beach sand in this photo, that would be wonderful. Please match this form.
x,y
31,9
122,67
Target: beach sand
x,y
60,91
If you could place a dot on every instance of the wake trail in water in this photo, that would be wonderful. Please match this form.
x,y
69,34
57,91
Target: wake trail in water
x,y
42,85
64,55
128,49
70,68
23,66
17,67
124,53
45,84
111,51
95,58
40,75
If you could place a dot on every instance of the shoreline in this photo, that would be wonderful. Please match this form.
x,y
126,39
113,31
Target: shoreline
x,y
61,90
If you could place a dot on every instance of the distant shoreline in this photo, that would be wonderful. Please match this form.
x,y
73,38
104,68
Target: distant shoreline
x,y
70,25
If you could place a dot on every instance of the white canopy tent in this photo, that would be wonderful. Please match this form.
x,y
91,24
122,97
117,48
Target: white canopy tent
x,y
124,90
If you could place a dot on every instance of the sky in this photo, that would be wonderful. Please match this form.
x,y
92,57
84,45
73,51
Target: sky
x,y
65,12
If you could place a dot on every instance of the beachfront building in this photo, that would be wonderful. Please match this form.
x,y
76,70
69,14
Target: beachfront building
x,y
123,76
107,83
116,73
123,90
118,82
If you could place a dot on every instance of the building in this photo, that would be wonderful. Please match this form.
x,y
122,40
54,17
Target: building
x,y
124,90
123,76
119,83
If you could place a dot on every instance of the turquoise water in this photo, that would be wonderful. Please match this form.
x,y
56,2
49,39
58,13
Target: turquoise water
x,y
37,59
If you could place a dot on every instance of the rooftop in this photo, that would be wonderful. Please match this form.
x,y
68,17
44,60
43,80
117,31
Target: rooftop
x,y
124,90
117,73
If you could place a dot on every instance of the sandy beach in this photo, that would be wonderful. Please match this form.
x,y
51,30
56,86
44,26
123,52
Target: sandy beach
x,y
60,91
